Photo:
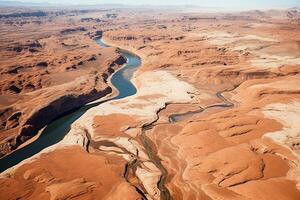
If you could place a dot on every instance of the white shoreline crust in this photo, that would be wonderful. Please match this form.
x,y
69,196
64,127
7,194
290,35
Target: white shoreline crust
x,y
154,90
289,136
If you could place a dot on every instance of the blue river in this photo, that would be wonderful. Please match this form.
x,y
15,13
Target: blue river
x,y
55,131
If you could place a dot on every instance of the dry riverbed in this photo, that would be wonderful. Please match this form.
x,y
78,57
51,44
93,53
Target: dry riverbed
x,y
215,115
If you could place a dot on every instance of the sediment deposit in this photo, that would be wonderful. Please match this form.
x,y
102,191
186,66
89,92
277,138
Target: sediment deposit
x,y
215,115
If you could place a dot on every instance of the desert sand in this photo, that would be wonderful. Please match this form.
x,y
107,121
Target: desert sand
x,y
215,115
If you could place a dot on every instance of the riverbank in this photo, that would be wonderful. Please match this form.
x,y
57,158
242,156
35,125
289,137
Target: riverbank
x,y
57,130
62,73
214,115
149,89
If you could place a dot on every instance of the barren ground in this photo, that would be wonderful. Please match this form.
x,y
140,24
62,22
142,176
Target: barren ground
x,y
216,113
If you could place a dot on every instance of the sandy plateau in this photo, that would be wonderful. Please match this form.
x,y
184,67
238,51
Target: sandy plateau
x,y
215,116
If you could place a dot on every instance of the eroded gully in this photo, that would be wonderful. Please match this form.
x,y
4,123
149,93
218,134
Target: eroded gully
x,y
150,149
55,132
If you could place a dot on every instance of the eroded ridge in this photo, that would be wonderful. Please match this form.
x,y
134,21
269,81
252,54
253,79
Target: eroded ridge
x,y
215,115
125,135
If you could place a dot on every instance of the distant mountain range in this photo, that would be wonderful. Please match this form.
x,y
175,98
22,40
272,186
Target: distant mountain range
x,y
22,4
45,4
84,6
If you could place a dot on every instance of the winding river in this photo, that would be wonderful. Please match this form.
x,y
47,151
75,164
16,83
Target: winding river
x,y
56,130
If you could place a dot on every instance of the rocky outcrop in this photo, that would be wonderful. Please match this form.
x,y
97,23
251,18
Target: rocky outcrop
x,y
44,114
215,115
96,35
31,46
25,14
55,109
42,64
73,30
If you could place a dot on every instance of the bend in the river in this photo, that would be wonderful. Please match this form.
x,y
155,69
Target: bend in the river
x,y
56,131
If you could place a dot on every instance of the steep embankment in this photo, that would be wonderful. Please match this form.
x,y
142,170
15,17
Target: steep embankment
x,y
55,72
214,117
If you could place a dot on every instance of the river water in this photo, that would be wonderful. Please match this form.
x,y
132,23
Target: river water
x,y
56,130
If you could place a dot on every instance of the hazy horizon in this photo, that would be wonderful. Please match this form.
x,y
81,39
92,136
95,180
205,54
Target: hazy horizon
x,y
263,4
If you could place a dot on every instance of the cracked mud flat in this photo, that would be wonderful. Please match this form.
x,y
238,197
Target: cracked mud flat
x,y
152,96
215,115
